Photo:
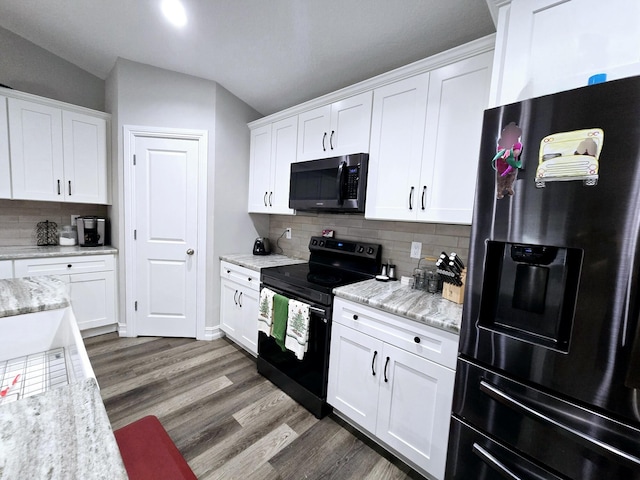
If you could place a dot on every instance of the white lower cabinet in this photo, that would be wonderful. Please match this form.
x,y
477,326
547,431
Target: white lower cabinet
x,y
394,378
91,281
6,269
239,293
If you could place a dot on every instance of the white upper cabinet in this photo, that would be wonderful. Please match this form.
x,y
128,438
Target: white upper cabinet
x,y
57,154
35,137
340,128
542,46
5,168
85,158
425,138
395,159
273,150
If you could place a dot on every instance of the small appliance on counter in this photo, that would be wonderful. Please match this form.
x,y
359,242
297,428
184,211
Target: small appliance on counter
x,y
261,246
91,231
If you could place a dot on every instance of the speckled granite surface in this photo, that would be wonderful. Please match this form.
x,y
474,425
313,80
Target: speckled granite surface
x,y
12,253
32,294
392,297
61,434
257,262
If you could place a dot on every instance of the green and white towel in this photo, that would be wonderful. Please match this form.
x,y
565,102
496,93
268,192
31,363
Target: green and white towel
x,y
265,311
297,339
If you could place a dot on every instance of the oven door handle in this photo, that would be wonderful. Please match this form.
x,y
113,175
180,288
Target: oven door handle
x,y
520,406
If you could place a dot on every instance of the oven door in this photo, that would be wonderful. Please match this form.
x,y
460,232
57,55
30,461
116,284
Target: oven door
x,y
304,380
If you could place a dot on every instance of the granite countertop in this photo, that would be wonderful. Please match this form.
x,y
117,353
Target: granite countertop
x,y
61,434
258,262
32,294
30,251
392,297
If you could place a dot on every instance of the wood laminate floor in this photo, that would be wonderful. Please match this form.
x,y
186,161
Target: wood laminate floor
x,y
227,420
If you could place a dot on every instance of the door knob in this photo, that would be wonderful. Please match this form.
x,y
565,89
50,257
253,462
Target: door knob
x,y
190,251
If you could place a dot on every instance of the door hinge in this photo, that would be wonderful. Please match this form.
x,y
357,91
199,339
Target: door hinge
x,y
135,234
134,160
135,305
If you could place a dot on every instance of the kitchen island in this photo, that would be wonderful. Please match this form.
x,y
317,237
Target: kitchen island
x,y
53,424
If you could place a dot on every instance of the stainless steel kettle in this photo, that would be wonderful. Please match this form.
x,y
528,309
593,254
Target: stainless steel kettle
x,y
261,246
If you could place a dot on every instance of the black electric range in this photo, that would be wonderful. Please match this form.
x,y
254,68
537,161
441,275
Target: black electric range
x,y
332,263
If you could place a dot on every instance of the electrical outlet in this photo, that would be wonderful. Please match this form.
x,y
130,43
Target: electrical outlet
x,y
73,219
416,249
287,233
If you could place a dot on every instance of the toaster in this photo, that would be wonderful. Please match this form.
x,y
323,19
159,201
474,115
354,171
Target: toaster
x,y
261,246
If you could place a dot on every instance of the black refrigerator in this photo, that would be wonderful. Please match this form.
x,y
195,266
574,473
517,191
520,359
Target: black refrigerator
x,y
548,374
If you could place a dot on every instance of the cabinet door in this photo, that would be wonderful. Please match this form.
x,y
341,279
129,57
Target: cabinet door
x,y
458,96
93,299
414,408
260,170
5,169
284,138
85,158
230,314
354,371
313,134
35,139
6,269
397,134
351,125
248,303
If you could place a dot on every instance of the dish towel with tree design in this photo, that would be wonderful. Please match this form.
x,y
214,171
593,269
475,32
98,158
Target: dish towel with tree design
x,y
297,339
265,311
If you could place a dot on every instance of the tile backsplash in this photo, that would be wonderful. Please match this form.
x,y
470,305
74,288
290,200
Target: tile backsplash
x,y
395,237
18,218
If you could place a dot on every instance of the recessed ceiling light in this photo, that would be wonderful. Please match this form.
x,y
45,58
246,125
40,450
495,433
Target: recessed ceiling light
x,y
174,12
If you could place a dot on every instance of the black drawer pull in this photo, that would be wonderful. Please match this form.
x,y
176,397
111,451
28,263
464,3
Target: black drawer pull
x,y
416,339
355,317
69,266
385,369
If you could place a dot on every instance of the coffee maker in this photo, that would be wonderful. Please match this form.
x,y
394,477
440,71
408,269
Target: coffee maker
x,y
91,231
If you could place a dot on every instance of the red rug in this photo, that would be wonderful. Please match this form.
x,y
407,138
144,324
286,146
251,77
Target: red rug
x,y
149,453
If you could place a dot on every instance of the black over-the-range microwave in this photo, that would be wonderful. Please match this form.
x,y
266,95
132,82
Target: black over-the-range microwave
x,y
336,184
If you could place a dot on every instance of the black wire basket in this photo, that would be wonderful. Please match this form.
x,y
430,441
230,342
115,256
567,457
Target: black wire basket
x,y
47,233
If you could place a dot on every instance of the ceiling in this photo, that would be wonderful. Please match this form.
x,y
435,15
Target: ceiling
x,y
272,54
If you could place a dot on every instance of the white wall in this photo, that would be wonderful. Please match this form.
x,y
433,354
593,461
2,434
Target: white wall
x,y
26,67
143,95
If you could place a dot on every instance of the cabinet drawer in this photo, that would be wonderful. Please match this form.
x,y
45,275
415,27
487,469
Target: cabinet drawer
x,y
431,343
241,275
33,267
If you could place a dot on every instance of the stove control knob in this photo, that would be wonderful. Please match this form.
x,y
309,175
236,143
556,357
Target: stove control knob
x,y
370,251
322,243
314,242
360,249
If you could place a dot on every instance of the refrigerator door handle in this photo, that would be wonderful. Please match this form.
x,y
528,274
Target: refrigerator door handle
x,y
520,406
493,462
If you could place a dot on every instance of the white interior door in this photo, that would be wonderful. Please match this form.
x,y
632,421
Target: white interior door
x,y
166,245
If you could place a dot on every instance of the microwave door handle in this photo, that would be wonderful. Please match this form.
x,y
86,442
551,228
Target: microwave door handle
x,y
339,182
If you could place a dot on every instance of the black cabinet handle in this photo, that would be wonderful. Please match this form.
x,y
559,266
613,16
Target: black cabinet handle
x,y
58,187
373,361
264,199
69,187
324,137
355,317
331,139
248,279
240,299
270,195
69,266
424,192
385,370
416,339
228,271
235,300
411,198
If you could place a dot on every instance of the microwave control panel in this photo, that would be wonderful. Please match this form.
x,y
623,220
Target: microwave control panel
x,y
353,177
